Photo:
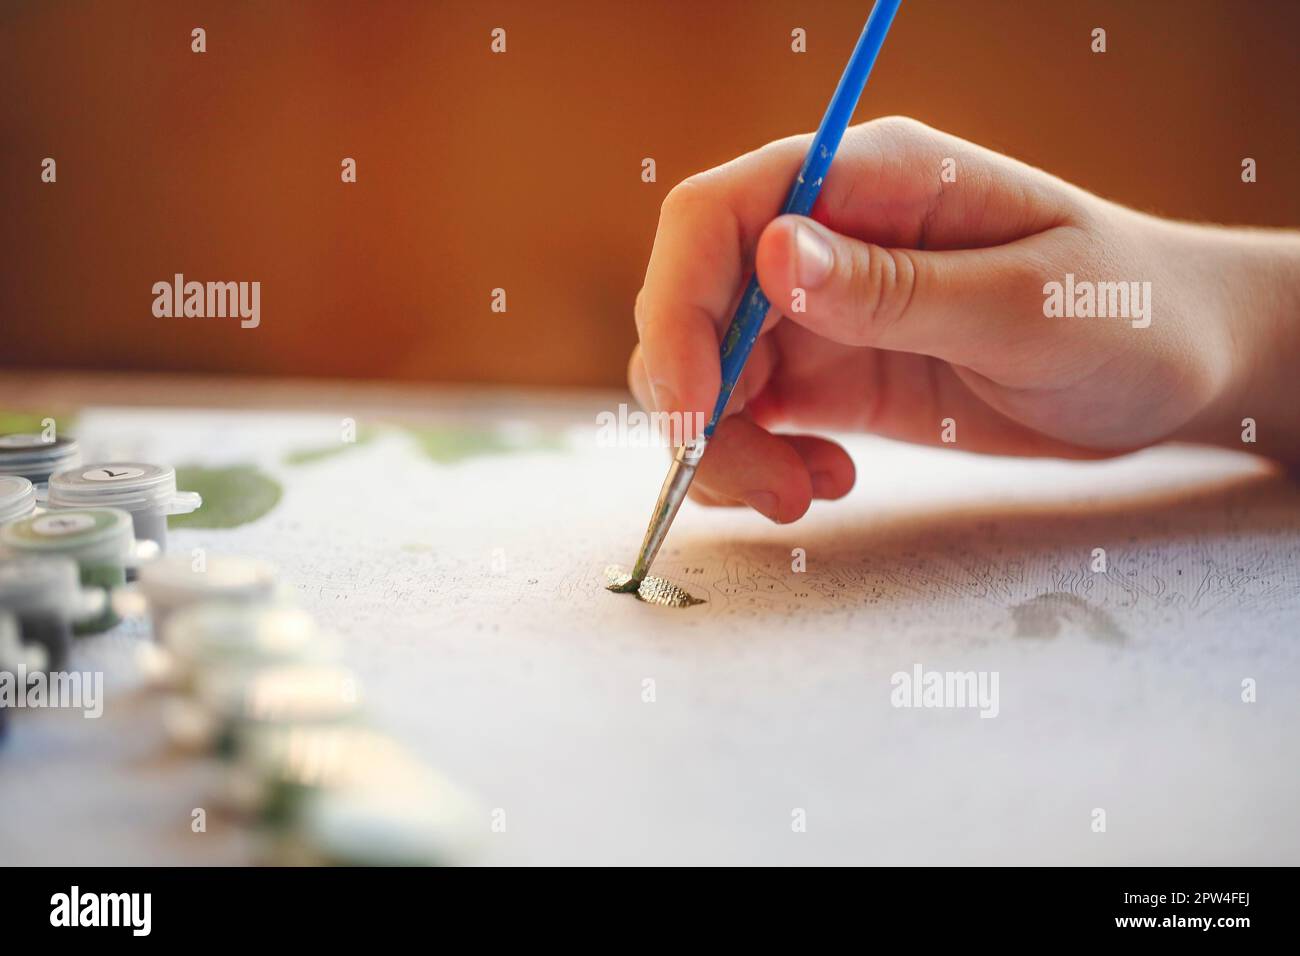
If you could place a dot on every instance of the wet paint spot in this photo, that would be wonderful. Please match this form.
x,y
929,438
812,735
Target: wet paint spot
x,y
652,590
231,496
1042,617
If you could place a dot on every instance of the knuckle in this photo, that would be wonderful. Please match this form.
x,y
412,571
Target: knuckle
x,y
899,127
687,193
881,282
1023,283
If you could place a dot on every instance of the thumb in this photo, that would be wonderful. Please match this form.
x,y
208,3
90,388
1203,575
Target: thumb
x,y
960,305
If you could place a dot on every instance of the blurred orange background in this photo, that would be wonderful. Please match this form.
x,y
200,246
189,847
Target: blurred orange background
x,y
523,170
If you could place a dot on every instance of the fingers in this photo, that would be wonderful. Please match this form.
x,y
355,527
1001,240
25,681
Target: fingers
x,y
830,469
965,306
888,186
776,475
753,381
707,228
897,182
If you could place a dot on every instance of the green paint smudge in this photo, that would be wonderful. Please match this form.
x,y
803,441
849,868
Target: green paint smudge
x,y
232,496
28,423
447,445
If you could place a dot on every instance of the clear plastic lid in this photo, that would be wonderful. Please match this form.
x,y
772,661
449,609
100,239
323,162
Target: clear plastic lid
x,y
135,486
35,458
175,580
245,636
377,826
281,694
86,533
17,498
369,800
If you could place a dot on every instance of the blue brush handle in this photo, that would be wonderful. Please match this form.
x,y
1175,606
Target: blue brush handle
x,y
743,331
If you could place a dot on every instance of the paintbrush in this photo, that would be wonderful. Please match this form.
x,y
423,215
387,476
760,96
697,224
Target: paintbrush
x,y
748,321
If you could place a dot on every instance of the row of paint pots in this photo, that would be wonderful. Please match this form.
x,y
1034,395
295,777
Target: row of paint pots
x,y
109,519
250,678
146,492
46,600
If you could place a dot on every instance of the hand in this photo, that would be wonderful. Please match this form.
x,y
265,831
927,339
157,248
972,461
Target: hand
x,y
924,300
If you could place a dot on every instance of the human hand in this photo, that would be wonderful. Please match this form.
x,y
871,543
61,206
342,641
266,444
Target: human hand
x,y
924,301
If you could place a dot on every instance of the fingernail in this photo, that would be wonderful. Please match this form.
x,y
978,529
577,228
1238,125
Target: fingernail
x,y
665,400
823,484
814,257
765,503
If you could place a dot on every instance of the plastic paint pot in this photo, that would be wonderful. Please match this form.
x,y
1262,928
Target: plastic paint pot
x,y
174,583
16,657
242,639
147,491
16,664
350,796
12,663
46,597
428,825
33,458
17,498
99,540
231,707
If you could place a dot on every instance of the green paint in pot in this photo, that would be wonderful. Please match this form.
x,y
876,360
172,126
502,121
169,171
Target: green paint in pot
x,y
100,540
110,577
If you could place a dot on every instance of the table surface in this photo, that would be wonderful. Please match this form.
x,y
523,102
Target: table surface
x,y
464,580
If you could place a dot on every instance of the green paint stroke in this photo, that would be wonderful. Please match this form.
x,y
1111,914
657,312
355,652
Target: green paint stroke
x,y
310,456
448,445
29,423
231,496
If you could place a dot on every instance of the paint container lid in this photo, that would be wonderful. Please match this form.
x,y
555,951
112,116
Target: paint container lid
x,y
135,486
86,534
351,795
243,637
34,458
47,585
175,581
280,694
17,498
354,796
403,814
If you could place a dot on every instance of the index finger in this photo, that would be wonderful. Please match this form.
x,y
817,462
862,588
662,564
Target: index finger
x,y
708,228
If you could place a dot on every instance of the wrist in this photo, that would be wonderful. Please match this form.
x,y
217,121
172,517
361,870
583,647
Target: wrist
x,y
1247,284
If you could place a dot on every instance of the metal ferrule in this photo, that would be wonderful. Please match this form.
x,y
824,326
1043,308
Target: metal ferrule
x,y
680,474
